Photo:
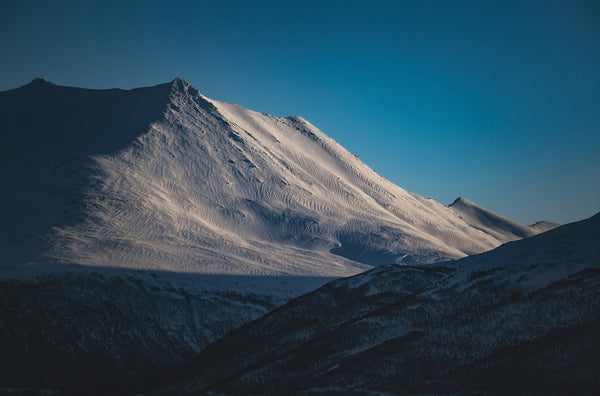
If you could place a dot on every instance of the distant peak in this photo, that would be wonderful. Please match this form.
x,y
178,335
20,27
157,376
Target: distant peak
x,y
41,82
543,222
544,225
461,201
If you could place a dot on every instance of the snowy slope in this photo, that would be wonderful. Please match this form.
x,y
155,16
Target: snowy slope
x,y
165,178
521,318
47,135
500,227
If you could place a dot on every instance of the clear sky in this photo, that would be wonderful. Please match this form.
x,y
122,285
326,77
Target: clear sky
x,y
498,102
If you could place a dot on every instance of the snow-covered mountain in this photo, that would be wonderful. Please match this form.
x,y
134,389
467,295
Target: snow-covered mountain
x,y
522,318
138,226
163,178
500,227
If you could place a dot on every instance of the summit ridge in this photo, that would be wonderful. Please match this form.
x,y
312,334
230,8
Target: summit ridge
x,y
169,179
500,227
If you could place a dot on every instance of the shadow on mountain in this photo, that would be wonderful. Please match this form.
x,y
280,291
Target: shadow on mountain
x,y
84,329
45,159
77,121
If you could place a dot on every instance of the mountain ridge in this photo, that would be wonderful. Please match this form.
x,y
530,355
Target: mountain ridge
x,y
195,185
500,227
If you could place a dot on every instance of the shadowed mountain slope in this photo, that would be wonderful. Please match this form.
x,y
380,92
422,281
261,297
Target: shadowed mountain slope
x,y
48,134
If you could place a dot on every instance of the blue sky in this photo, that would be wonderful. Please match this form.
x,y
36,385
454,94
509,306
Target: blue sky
x,y
498,102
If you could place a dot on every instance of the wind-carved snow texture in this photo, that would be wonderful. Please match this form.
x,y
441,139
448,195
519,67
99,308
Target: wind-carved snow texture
x,y
214,188
47,134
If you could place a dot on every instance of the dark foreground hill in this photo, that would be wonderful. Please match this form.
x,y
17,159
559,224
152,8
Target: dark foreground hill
x,y
521,318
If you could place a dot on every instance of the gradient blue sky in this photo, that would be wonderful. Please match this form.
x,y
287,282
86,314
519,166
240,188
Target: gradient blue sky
x,y
498,102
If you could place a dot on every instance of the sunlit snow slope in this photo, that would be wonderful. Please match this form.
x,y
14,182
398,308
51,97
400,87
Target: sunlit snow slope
x,y
165,178
499,227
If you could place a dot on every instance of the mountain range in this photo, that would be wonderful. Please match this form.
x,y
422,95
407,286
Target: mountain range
x,y
140,226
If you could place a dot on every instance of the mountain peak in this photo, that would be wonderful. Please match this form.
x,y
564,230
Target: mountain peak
x,y
224,177
179,80
494,224
461,201
500,227
181,84
40,82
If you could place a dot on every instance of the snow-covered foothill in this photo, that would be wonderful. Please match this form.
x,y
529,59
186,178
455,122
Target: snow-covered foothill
x,y
524,316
